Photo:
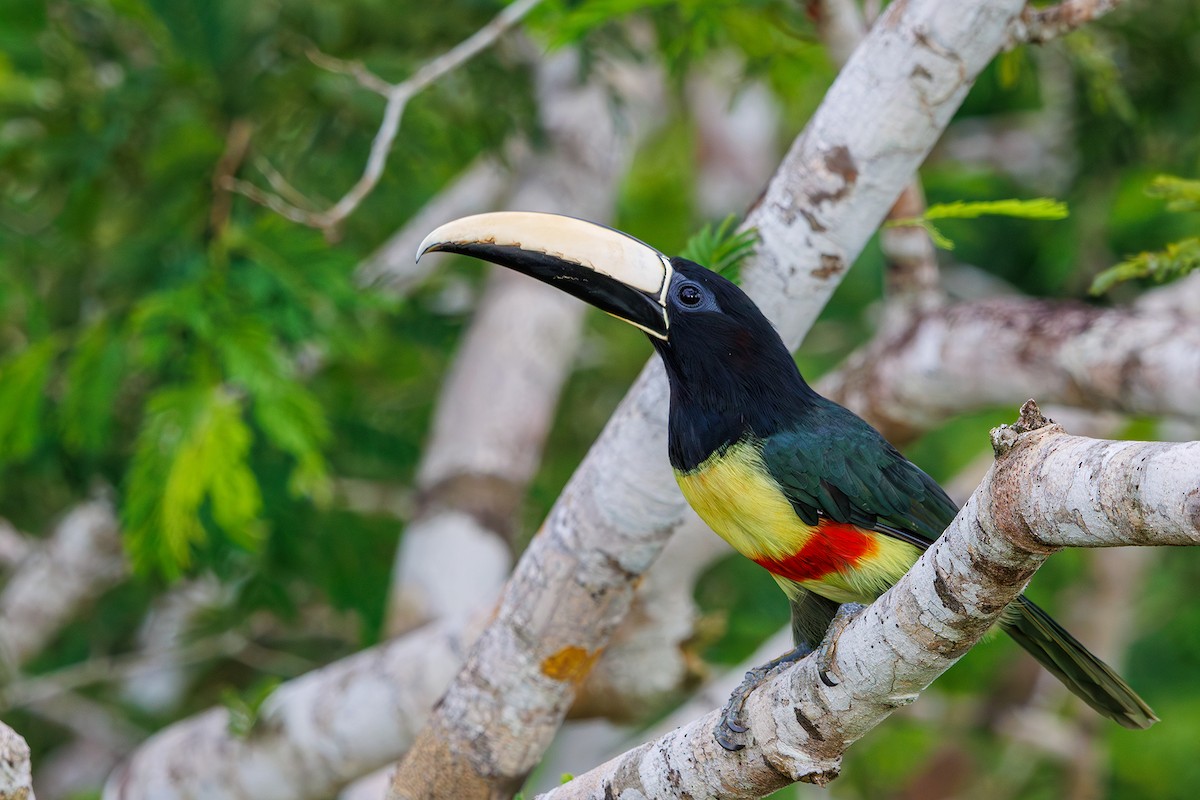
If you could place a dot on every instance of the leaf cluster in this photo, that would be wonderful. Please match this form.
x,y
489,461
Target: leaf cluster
x,y
722,247
158,335
1177,258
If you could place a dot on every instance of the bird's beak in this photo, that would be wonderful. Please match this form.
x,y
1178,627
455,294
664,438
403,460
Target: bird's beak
x,y
614,272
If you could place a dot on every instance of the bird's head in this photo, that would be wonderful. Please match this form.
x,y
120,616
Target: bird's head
x,y
683,307
724,359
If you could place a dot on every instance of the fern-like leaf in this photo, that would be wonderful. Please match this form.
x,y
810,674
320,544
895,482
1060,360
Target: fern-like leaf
x,y
191,458
1045,208
23,381
1177,260
244,707
1181,194
721,247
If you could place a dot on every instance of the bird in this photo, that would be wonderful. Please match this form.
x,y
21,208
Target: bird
x,y
790,479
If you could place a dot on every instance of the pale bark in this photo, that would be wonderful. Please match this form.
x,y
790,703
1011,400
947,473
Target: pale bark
x,y
319,731
80,561
490,425
929,365
172,616
912,270
314,734
647,663
575,581
16,781
1046,491
846,169
14,545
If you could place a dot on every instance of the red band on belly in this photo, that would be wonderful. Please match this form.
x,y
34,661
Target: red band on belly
x,y
833,547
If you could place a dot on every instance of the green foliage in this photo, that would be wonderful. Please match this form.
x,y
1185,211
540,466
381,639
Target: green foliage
x,y
1096,59
244,706
1177,258
722,247
698,26
1038,208
1181,194
191,456
23,388
93,377
774,38
1174,261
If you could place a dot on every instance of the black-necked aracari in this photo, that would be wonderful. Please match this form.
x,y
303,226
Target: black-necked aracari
x,y
792,480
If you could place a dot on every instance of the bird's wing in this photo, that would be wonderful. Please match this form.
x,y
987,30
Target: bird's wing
x,y
837,466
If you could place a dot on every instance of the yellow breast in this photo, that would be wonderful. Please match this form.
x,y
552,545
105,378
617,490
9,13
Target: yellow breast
x,y
733,492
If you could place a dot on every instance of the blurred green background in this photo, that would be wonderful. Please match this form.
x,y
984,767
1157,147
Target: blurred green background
x,y
150,326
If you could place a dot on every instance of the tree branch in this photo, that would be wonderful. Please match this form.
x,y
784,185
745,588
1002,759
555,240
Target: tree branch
x,y
930,366
314,733
1040,25
912,271
1035,500
81,559
397,96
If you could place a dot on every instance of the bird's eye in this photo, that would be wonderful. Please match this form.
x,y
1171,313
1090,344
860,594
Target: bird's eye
x,y
689,295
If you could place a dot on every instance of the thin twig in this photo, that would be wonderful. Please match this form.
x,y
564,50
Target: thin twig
x,y
397,96
281,186
355,69
237,142
104,670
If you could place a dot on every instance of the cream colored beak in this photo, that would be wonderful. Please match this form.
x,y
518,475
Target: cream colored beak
x,y
604,267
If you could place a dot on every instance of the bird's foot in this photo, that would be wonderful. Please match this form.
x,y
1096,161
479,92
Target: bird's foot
x,y
731,726
825,652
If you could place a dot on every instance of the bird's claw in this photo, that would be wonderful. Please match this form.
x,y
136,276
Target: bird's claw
x,y
721,734
730,724
730,728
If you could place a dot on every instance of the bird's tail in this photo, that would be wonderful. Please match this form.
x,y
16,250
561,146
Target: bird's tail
x,y
1086,676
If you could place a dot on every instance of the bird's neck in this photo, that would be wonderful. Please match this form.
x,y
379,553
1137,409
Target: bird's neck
x,y
717,402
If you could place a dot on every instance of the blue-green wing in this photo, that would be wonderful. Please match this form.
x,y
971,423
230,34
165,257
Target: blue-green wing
x,y
836,465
